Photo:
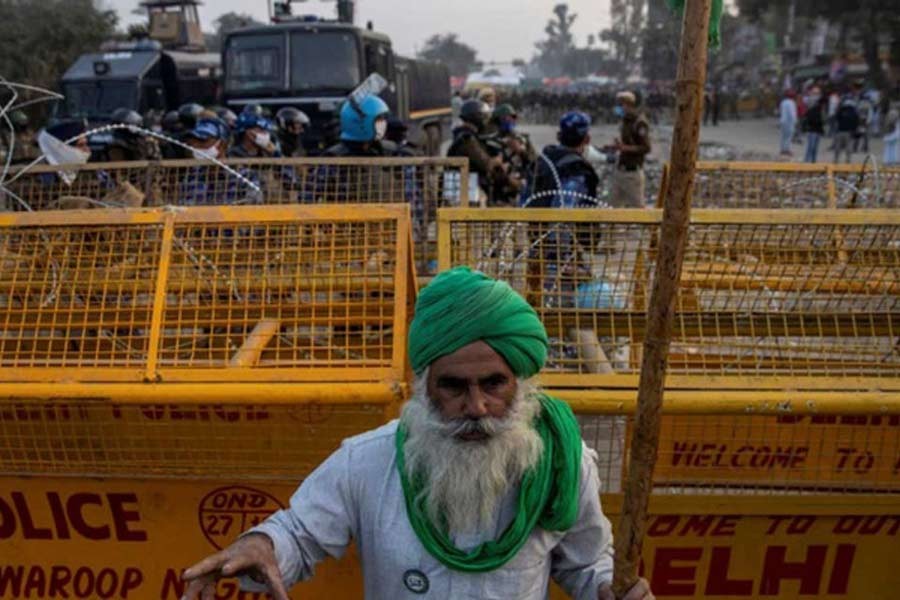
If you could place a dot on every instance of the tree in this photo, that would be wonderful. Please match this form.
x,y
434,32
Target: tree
x,y
625,35
555,52
40,39
459,57
137,31
558,54
225,24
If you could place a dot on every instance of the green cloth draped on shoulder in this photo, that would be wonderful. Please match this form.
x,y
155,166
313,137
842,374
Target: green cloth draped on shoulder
x,y
548,496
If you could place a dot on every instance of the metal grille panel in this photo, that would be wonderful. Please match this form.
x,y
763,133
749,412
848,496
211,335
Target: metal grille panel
x,y
790,185
235,291
424,184
760,295
77,296
253,441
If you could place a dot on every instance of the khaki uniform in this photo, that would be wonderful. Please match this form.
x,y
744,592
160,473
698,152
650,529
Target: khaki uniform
x,y
628,182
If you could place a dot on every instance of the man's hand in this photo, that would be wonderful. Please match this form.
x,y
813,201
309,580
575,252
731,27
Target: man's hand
x,y
251,555
639,591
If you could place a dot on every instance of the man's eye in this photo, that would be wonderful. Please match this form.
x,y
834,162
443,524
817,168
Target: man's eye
x,y
451,386
495,382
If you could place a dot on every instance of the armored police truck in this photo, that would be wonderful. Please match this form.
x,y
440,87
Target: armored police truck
x,y
312,64
139,76
160,73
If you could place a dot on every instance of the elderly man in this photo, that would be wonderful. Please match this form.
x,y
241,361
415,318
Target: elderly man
x,y
482,489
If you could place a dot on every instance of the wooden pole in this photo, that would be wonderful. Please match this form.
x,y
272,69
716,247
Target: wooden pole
x,y
660,313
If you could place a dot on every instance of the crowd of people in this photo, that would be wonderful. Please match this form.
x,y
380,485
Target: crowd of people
x,y
849,116
542,105
194,131
511,172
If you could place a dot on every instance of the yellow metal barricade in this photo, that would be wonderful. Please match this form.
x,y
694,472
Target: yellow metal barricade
x,y
795,185
201,361
704,539
778,311
422,183
194,341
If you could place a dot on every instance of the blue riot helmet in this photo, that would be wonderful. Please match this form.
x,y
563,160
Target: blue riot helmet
x,y
254,109
574,127
358,120
250,120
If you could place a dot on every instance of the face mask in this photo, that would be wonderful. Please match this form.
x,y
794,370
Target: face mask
x,y
507,126
209,153
263,140
380,129
619,111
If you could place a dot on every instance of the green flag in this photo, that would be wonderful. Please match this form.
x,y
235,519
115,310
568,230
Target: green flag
x,y
715,17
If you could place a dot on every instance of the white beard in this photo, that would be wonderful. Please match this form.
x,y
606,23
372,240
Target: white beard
x,y
465,481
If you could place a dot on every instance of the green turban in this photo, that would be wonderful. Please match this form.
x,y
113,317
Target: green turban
x,y
462,306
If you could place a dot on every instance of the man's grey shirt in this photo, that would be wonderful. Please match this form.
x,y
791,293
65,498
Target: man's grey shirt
x,y
356,496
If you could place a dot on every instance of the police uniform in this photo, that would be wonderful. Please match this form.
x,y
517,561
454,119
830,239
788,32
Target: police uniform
x,y
571,172
125,148
466,143
491,179
628,183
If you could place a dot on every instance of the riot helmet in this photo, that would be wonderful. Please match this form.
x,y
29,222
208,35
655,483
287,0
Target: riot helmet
x,y
476,113
188,114
365,121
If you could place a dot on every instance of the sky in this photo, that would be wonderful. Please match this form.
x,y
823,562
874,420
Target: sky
x,y
501,30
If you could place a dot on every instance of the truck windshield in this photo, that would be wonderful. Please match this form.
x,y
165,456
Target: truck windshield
x,y
255,62
324,60
98,99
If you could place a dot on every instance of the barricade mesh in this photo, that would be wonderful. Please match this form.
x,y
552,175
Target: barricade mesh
x,y
99,438
250,288
109,302
77,296
769,300
787,185
424,184
757,297
327,287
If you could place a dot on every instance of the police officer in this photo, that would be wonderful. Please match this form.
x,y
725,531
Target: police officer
x,y
292,123
364,126
514,145
209,139
129,144
492,171
363,129
256,110
188,115
253,138
397,132
205,183
571,180
633,145
227,116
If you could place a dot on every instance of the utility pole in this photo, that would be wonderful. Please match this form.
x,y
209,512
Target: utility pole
x,y
673,236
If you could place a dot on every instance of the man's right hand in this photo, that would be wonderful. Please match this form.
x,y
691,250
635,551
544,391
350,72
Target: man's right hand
x,y
252,555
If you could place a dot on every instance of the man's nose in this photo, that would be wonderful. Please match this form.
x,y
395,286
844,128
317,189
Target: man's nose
x,y
476,403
